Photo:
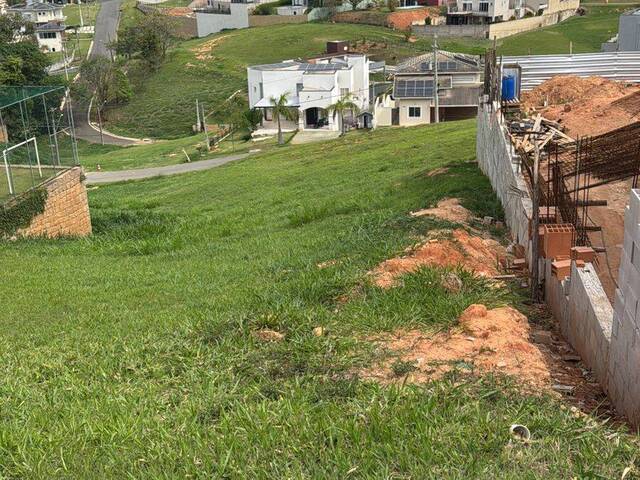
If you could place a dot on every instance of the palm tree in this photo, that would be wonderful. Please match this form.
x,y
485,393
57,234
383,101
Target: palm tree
x,y
280,109
341,106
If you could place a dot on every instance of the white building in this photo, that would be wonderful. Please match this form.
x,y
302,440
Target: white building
x,y
311,87
38,12
50,36
478,12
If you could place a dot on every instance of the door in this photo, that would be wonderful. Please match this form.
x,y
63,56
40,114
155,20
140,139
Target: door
x,y
395,116
312,117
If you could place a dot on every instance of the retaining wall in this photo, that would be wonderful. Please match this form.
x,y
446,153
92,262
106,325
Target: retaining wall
x,y
267,20
496,30
624,357
498,161
582,309
66,210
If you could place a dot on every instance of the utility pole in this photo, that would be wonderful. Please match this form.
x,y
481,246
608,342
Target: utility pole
x,y
80,9
435,80
204,125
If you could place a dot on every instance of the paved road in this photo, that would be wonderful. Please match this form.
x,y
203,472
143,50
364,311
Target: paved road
x,y
106,31
94,178
106,27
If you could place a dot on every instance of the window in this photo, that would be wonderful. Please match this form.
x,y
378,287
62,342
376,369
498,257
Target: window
x,y
344,92
415,112
484,6
261,90
467,7
47,35
267,114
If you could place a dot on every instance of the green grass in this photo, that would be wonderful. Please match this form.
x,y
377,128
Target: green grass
x,y
129,354
154,112
89,13
587,34
165,152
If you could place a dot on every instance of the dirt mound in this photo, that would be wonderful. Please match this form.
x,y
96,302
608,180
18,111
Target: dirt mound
x,y
447,209
586,106
178,11
490,341
474,254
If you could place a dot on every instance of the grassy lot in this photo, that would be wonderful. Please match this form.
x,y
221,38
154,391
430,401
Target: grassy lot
x,y
165,152
89,13
219,73
130,355
587,33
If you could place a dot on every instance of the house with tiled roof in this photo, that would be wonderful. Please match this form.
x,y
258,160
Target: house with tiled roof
x,y
412,100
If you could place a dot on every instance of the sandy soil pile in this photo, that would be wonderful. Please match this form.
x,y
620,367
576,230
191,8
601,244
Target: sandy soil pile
x,y
447,209
475,254
203,51
586,106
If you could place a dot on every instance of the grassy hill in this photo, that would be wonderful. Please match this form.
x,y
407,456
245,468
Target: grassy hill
x,y
130,354
213,68
587,33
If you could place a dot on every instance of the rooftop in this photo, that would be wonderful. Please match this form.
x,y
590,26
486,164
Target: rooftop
x,y
35,7
447,63
51,27
302,67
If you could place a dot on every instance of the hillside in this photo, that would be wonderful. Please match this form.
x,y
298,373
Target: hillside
x,y
142,351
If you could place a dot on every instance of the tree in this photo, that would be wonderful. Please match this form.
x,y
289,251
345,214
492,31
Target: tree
x,y
343,105
280,110
253,117
354,4
149,39
104,82
13,27
21,61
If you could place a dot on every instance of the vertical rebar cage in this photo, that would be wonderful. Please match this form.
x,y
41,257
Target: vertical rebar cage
x,y
37,136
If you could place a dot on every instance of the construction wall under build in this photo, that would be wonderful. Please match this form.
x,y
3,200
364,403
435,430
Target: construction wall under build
x,y
624,358
608,343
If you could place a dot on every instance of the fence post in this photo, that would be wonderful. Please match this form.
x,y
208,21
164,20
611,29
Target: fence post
x,y
8,170
35,141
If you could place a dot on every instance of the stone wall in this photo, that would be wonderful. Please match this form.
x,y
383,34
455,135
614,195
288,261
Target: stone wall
x,y
624,358
66,210
475,31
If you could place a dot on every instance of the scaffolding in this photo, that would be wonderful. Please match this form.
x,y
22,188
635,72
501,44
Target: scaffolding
x,y
37,136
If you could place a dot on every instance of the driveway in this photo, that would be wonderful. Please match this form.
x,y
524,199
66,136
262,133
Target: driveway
x,y
94,178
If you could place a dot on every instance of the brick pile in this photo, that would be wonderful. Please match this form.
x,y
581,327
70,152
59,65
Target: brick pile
x,y
66,211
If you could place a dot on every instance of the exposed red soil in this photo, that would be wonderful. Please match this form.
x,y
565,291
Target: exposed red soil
x,y
488,341
593,106
474,254
585,106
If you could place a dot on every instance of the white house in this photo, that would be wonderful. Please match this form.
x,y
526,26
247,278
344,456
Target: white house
x,y
50,36
38,12
477,12
312,86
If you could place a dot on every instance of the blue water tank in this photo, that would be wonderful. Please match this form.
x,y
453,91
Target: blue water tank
x,y
508,87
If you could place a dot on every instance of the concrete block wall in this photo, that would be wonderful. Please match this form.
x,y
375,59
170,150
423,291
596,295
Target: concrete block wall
x,y
584,313
498,161
624,359
66,211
